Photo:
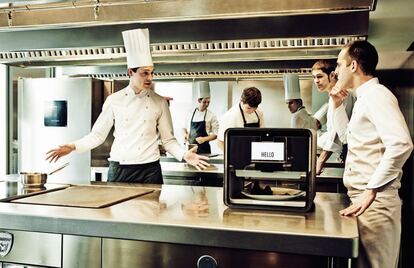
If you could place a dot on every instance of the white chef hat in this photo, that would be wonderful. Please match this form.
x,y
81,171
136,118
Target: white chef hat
x,y
292,88
137,47
320,115
202,89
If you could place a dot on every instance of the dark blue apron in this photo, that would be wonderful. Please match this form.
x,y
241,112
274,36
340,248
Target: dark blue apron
x,y
257,124
198,129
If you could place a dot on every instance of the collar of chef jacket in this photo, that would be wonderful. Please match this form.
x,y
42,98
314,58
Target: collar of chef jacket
x,y
361,89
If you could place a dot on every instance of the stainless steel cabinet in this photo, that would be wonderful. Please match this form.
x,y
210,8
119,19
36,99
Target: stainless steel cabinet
x,y
127,253
35,249
81,252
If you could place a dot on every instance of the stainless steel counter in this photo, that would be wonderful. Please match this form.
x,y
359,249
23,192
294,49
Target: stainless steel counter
x,y
197,216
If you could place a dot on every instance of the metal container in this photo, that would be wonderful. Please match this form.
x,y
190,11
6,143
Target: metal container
x,y
33,179
37,179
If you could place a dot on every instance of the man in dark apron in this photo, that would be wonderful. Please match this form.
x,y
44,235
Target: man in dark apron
x,y
203,123
242,114
245,124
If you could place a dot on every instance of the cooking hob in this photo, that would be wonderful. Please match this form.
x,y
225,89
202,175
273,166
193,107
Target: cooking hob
x,y
13,189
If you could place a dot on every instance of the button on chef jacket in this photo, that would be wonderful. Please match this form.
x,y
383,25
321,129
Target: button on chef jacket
x,y
378,138
140,120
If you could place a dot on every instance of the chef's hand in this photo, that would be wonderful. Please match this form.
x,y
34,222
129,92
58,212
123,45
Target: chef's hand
x,y
363,202
200,140
55,154
196,160
320,162
319,166
338,94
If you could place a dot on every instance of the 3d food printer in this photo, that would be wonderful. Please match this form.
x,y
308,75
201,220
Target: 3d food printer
x,y
270,168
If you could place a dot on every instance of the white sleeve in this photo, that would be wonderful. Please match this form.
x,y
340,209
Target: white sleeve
x,y
386,116
100,129
340,123
165,129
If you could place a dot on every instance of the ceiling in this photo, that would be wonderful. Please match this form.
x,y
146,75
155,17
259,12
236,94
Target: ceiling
x,y
67,27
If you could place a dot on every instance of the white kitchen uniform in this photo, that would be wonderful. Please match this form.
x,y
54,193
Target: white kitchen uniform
x,y
379,143
212,124
330,140
233,119
139,120
302,119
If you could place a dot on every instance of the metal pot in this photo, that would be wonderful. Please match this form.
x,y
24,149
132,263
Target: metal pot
x,y
33,179
37,179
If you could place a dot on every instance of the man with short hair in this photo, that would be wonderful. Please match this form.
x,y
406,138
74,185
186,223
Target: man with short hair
x,y
379,143
323,73
140,116
244,114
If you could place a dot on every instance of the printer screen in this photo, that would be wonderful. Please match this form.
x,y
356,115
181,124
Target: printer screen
x,y
268,152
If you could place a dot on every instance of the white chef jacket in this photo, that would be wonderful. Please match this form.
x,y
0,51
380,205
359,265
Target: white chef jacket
x,y
139,120
233,118
301,119
212,124
379,142
330,140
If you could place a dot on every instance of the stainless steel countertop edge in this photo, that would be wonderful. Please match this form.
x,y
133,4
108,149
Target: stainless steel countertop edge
x,y
242,239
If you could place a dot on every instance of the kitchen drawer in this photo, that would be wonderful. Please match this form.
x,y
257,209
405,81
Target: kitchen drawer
x,y
126,253
36,249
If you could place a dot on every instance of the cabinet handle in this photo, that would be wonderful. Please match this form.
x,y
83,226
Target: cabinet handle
x,y
206,261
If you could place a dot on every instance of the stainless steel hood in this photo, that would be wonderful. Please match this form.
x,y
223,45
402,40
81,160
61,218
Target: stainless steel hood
x,y
52,13
189,39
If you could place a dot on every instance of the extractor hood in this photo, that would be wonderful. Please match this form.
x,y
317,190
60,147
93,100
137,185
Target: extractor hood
x,y
189,39
75,13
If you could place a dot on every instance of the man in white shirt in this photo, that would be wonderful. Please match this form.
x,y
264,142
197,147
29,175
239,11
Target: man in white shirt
x,y
323,73
243,114
379,143
300,117
140,117
202,124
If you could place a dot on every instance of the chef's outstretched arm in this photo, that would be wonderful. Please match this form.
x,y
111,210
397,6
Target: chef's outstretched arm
x,y
54,154
197,161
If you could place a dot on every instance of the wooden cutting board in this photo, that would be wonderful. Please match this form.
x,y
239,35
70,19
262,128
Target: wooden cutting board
x,y
86,196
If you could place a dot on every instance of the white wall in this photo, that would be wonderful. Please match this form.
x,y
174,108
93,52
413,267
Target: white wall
x,y
3,119
181,92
